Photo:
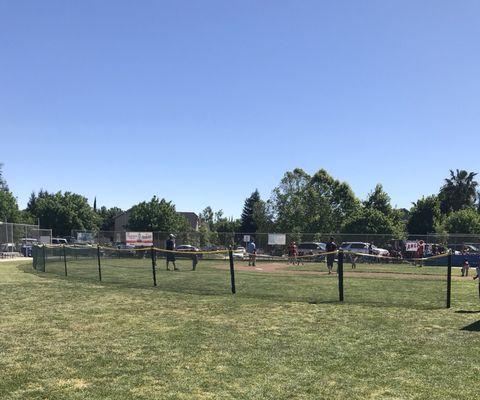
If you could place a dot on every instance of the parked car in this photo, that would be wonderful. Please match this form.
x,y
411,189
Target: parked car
x,y
27,245
123,246
363,247
59,241
311,248
380,252
240,253
8,247
356,247
186,247
213,248
463,248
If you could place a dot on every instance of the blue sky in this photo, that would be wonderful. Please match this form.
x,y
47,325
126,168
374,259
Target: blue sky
x,y
201,102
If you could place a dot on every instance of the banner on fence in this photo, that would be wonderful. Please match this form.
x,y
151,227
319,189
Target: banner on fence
x,y
277,239
85,237
45,240
411,245
139,238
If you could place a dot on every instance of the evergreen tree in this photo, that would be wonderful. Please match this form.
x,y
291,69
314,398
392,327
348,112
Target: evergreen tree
x,y
8,203
379,200
249,224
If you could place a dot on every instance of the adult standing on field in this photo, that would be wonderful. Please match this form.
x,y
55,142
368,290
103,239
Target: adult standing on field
x,y
170,246
292,253
252,253
420,252
331,248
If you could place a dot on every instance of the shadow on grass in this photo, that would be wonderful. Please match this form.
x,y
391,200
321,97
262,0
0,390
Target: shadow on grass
x,y
205,288
467,312
475,327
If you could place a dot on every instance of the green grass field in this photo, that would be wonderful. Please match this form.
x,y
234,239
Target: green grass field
x,y
282,336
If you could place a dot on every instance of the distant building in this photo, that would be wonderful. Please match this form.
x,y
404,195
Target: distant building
x,y
121,220
192,219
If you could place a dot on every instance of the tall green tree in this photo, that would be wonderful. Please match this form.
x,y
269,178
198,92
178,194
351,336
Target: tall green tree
x,y
107,217
289,202
318,203
379,200
157,215
459,191
207,218
249,224
464,221
63,212
371,221
425,216
8,203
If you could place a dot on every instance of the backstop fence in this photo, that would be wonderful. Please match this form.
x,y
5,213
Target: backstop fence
x,y
339,276
15,238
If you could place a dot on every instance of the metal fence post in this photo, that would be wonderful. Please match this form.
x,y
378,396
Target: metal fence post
x,y
34,257
340,275
449,280
65,259
99,263
232,270
154,265
44,259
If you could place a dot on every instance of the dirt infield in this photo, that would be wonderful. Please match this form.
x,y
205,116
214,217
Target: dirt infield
x,y
276,267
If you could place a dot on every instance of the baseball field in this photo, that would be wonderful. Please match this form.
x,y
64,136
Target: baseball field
x,y
283,335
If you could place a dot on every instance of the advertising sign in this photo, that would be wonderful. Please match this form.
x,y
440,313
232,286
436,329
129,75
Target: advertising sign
x,y
411,245
45,240
85,237
139,238
277,239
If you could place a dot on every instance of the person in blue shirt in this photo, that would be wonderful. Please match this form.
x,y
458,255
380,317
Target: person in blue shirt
x,y
252,253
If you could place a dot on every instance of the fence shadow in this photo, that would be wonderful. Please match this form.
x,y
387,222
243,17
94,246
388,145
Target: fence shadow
x,y
475,327
467,312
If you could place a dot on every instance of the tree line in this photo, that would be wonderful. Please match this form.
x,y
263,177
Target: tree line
x,y
301,203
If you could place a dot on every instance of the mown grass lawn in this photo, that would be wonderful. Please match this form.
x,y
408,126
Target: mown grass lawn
x,y
74,338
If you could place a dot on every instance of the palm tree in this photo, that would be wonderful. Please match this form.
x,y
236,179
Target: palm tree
x,y
459,191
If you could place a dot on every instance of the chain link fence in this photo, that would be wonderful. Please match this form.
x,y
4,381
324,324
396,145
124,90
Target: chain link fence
x,y
404,248
17,239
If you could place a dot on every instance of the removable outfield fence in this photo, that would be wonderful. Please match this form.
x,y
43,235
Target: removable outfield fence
x,y
355,278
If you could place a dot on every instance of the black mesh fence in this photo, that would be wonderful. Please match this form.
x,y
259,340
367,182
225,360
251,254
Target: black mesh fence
x,y
130,266
418,283
360,279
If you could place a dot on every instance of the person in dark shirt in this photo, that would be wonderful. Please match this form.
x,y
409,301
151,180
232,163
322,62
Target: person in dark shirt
x,y
170,245
331,248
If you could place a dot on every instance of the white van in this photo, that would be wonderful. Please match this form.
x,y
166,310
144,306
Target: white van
x,y
59,241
